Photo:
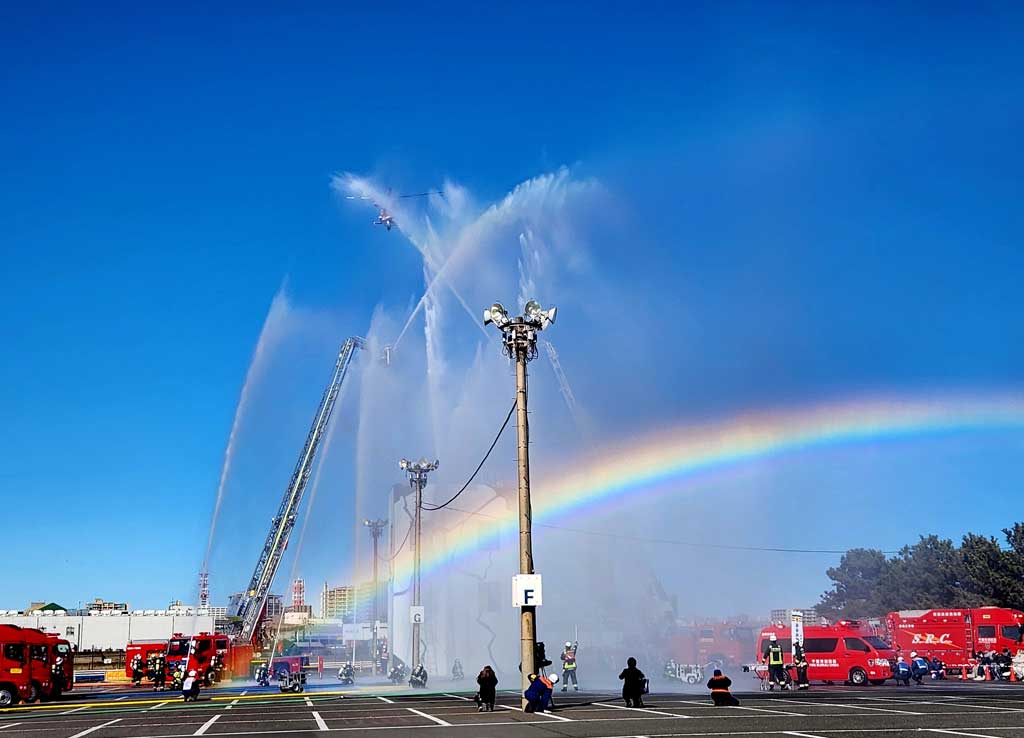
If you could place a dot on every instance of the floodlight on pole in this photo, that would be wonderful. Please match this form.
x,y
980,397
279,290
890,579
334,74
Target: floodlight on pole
x,y
519,342
417,472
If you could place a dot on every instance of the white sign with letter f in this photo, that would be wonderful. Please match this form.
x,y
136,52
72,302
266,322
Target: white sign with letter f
x,y
527,590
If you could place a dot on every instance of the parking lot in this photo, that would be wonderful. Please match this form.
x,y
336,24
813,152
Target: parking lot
x,y
979,710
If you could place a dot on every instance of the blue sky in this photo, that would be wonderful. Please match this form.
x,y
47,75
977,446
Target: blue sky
x,y
820,200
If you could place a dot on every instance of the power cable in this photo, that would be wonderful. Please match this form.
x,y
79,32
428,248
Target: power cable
x,y
480,466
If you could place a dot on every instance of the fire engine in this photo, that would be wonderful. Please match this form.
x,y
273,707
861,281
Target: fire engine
x,y
727,643
844,652
28,659
955,634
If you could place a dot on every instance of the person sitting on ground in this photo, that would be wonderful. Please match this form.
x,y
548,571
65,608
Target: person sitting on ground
x,y
632,684
720,694
488,683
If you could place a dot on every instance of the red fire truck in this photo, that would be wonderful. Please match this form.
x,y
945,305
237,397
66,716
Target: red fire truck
x,y
726,643
955,635
212,656
844,652
28,660
146,650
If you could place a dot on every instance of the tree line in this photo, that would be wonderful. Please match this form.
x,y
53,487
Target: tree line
x,y
932,573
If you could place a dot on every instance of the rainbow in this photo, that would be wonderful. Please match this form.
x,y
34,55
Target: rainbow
x,y
668,461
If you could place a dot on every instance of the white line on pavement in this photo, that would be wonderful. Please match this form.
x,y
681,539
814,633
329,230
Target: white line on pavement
x,y
159,704
233,703
206,726
437,720
854,707
95,728
773,712
540,714
801,735
320,723
118,699
458,697
640,709
959,732
8,725
385,699
309,702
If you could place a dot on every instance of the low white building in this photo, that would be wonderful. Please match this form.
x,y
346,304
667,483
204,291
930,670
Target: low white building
x,y
108,630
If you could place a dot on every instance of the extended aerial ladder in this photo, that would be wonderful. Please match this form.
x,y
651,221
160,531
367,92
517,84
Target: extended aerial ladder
x,y
563,381
254,599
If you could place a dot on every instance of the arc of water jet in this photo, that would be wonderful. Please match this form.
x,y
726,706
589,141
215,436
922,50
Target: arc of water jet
x,y
427,293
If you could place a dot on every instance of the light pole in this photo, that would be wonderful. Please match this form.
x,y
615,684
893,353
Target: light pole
x,y
417,472
519,342
376,528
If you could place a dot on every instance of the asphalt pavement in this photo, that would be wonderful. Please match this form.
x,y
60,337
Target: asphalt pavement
x,y
949,709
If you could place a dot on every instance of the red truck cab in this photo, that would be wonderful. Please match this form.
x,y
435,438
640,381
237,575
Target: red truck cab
x,y
844,652
145,650
27,665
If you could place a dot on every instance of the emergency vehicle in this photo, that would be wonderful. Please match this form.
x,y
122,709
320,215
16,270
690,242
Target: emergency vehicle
x,y
844,652
48,649
725,643
955,635
212,654
27,660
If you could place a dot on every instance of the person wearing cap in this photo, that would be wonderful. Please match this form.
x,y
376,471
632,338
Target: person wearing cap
x,y
720,694
569,666
918,667
774,657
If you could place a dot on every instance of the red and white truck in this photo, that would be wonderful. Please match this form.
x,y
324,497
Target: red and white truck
x,y
955,635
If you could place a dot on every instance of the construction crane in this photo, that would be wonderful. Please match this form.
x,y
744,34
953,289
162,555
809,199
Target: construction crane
x,y
254,599
563,382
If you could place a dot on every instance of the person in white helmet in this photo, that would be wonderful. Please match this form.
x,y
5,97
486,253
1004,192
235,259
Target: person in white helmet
x,y
918,667
569,666
774,657
190,687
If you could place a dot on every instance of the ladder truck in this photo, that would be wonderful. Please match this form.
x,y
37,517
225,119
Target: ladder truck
x,y
254,599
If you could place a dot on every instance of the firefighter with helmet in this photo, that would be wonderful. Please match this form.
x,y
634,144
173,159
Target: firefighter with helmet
x,y
918,667
569,666
774,657
57,675
137,672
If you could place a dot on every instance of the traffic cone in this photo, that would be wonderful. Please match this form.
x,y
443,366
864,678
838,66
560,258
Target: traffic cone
x,y
1013,674
963,673
988,674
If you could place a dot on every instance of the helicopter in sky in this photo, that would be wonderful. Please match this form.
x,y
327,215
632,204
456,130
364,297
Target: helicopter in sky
x,y
385,218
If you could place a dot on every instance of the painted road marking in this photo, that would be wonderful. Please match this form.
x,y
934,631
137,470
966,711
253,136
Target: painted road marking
x,y
118,699
77,709
159,704
95,728
801,735
206,726
640,709
437,720
539,714
309,702
385,699
959,732
854,707
9,725
320,721
458,697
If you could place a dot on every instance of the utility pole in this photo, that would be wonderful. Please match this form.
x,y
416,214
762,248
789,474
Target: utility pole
x,y
417,472
376,528
519,342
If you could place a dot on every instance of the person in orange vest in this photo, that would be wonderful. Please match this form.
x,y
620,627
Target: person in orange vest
x,y
720,694
538,695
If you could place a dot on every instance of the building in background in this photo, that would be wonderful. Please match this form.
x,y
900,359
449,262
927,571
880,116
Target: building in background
x,y
101,605
275,606
783,615
337,603
298,593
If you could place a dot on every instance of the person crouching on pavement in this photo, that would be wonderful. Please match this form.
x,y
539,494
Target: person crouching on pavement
x,y
538,694
190,687
720,694
901,672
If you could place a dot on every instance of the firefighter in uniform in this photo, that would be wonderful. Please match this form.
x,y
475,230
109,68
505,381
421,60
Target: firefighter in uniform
x,y
57,675
569,666
159,674
137,670
774,657
800,662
